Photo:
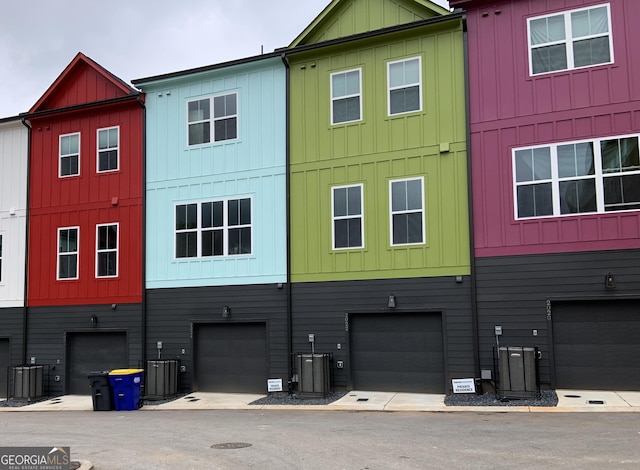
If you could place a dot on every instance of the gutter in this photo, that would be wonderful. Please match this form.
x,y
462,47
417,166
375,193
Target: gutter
x,y
472,255
79,107
25,321
288,217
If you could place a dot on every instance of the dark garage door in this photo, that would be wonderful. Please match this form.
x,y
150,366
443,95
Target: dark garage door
x,y
90,352
231,357
397,352
5,362
597,345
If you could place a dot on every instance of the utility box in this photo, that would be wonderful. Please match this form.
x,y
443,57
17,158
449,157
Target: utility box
x,y
518,372
314,374
27,382
161,378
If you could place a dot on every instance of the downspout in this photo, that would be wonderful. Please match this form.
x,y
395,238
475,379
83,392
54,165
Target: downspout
x,y
25,324
288,216
143,319
474,295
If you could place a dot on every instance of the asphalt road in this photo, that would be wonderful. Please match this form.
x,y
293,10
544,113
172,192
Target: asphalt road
x,y
158,440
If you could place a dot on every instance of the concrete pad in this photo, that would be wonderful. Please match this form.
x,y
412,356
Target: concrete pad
x,y
208,401
589,399
361,400
632,398
416,402
63,403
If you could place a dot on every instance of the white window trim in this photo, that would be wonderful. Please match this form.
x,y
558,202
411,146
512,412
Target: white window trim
x,y
392,213
225,229
347,217
2,257
108,250
406,85
60,156
212,119
569,40
359,95
77,253
555,180
117,148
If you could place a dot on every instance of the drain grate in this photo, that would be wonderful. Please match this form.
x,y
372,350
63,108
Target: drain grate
x,y
231,445
572,396
596,402
194,399
362,399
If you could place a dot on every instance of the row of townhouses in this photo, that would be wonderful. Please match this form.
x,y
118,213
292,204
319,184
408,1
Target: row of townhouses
x,y
412,186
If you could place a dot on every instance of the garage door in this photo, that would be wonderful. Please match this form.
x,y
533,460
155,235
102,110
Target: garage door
x,y
397,352
231,357
596,345
5,362
90,352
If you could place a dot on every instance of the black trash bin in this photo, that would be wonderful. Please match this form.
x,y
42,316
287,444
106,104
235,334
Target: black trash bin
x,y
101,392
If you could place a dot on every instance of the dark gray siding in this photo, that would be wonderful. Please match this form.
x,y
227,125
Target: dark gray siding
x,y
513,291
172,312
320,307
11,328
48,326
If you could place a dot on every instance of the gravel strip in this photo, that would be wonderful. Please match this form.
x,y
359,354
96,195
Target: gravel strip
x,y
547,398
293,399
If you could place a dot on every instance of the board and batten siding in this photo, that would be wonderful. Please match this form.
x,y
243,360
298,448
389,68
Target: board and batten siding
x,y
429,144
322,309
511,109
512,292
251,166
49,326
172,313
11,328
14,144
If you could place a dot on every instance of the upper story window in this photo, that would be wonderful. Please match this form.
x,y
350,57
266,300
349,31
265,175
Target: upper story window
x,y
595,176
570,40
407,212
107,250
404,79
108,149
214,228
213,119
68,248
346,96
69,155
348,227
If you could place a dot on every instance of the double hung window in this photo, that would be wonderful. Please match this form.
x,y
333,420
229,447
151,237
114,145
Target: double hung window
x,y
69,155
570,40
407,211
68,249
107,250
346,96
348,227
212,119
404,79
108,149
600,175
214,228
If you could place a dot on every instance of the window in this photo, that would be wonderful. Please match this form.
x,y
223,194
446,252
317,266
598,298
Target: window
x,y
69,155
570,40
214,228
407,214
68,243
346,103
107,250
405,82
595,176
348,227
108,149
224,124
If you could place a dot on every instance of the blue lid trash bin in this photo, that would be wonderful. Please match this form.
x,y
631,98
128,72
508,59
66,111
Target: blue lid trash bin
x,y
101,393
126,385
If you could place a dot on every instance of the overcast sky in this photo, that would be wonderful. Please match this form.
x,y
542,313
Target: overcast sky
x,y
136,39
